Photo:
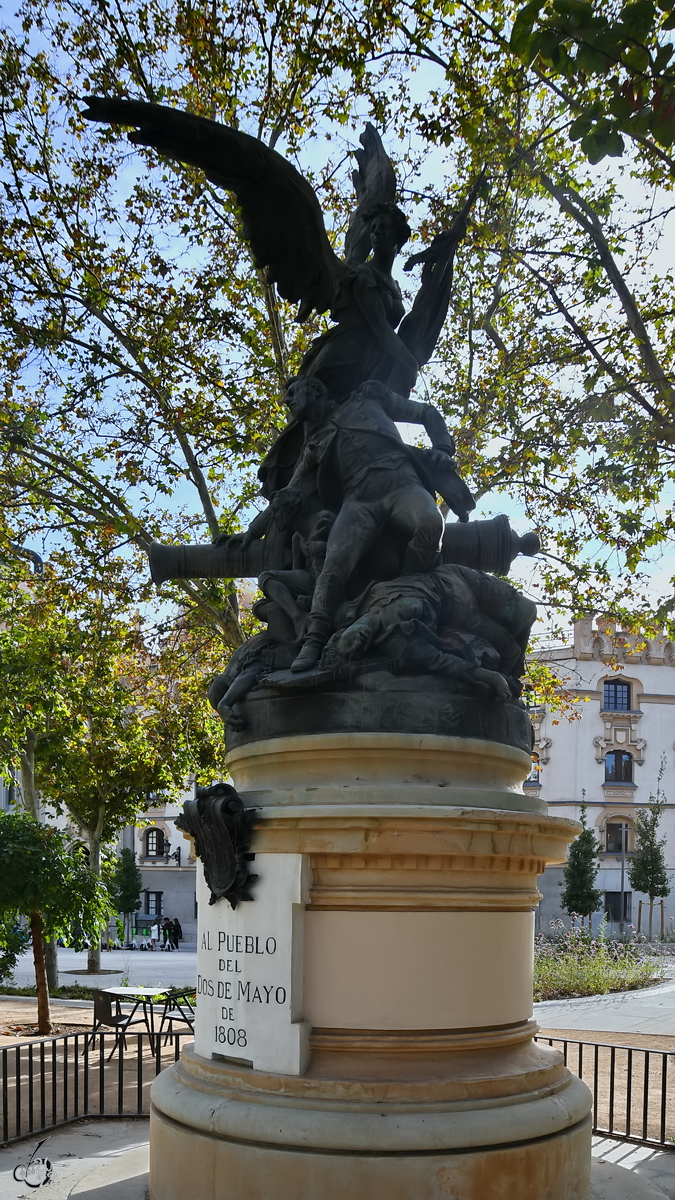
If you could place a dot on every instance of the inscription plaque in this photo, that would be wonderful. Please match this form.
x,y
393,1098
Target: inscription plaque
x,y
250,971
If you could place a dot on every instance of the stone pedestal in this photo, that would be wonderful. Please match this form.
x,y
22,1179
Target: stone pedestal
x,y
364,1026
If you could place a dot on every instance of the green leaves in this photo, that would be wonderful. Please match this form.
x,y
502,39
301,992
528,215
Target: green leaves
x,y
43,872
581,126
138,328
647,870
637,20
579,894
13,941
127,883
560,297
602,140
139,347
109,711
521,34
623,61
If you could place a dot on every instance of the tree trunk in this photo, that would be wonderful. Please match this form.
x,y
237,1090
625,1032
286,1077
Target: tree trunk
x,y
30,800
51,963
44,1013
94,955
32,806
651,916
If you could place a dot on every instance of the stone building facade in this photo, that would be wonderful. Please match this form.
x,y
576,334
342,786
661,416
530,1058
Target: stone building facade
x,y
163,855
167,867
609,758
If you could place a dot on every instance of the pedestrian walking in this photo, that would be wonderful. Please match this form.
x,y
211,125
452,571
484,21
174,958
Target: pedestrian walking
x,y
154,937
176,933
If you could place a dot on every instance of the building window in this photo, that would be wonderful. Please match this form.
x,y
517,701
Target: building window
x,y
618,767
7,792
533,777
613,906
154,904
154,843
616,697
613,833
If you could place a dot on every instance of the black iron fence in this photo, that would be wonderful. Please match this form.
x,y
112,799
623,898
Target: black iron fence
x,y
51,1081
54,1080
632,1097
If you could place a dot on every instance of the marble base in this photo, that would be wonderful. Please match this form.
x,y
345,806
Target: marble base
x,y
449,1127
383,769
364,1026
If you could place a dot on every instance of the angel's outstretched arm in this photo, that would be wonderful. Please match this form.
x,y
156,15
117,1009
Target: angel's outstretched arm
x,y
421,328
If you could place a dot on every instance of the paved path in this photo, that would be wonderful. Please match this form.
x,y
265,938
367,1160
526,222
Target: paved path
x,y
650,1010
91,1160
108,1160
143,967
652,1166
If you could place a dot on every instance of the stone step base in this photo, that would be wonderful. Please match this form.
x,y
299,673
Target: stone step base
x,y
609,1182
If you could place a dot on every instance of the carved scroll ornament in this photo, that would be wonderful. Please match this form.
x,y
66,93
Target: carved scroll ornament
x,y
222,830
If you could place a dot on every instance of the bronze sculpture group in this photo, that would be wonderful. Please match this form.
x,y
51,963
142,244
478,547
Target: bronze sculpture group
x,y
365,588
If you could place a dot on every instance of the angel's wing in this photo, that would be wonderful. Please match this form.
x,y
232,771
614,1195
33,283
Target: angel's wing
x,y
374,183
281,215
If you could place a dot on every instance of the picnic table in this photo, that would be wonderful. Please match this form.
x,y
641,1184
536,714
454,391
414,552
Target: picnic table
x,y
175,1004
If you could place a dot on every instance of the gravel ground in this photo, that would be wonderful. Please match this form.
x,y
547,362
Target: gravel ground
x,y
18,1020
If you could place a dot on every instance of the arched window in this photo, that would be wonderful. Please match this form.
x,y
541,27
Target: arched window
x,y
154,843
618,767
617,835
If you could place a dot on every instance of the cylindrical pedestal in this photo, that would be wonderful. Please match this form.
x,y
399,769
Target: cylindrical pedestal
x,y
364,1025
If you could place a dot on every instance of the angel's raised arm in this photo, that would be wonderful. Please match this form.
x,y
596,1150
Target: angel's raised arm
x,y
421,328
281,216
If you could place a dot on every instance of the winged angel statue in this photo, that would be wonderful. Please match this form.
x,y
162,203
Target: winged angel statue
x,y
372,338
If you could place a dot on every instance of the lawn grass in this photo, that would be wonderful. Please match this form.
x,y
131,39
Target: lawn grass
x,y
70,991
569,963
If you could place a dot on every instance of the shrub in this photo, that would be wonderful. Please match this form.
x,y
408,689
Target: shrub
x,y
13,941
574,962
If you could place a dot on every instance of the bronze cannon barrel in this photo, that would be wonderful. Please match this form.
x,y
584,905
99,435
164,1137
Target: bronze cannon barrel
x,y
225,561
486,545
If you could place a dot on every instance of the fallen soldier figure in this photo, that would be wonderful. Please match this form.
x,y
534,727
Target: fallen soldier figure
x,y
406,646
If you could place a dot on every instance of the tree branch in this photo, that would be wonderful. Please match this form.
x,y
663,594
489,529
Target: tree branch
x,y
572,203
589,345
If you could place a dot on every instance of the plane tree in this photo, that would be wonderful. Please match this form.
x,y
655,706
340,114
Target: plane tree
x,y
102,711
45,879
557,366
145,360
